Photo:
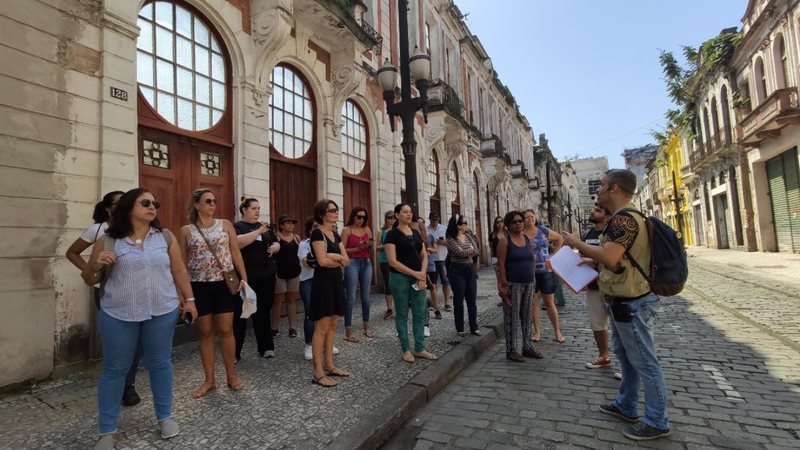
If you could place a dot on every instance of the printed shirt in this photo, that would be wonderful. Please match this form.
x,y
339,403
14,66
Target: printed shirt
x,y
541,251
592,237
139,285
202,264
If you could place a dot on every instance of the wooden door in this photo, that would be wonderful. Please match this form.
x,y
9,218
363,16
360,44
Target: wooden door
x,y
356,193
293,191
172,166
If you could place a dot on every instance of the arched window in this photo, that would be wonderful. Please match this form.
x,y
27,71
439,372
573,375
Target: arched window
x,y
180,66
761,80
783,74
433,182
715,131
354,139
291,113
453,188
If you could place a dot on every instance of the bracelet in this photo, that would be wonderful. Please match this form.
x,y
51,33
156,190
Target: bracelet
x,y
190,299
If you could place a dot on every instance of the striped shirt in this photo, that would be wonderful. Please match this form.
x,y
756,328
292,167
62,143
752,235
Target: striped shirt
x,y
139,285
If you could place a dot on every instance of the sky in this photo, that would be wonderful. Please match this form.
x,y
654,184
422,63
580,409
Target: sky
x,y
586,72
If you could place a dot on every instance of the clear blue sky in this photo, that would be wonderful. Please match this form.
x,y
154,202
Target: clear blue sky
x,y
586,72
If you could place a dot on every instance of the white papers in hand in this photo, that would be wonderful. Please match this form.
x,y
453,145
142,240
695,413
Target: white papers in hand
x,y
566,264
249,305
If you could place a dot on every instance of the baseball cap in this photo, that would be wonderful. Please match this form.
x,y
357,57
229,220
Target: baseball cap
x,y
388,214
433,215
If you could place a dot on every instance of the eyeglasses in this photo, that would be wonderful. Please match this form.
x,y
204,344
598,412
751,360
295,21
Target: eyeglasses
x,y
462,223
210,201
390,218
333,210
359,217
498,221
146,203
517,221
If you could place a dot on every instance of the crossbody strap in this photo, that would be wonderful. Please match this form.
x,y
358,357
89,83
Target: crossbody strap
x,y
211,249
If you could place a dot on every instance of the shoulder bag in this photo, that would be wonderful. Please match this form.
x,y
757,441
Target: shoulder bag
x,y
232,280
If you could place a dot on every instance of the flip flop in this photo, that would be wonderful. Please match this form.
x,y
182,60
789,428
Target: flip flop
x,y
351,338
388,315
560,341
200,392
337,372
237,385
368,333
534,339
318,382
425,355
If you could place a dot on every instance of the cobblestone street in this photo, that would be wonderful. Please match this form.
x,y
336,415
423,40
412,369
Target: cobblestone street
x,y
729,348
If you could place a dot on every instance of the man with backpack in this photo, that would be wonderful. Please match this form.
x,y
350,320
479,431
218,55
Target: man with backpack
x,y
626,271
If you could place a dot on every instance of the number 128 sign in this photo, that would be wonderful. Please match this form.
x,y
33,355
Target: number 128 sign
x,y
119,94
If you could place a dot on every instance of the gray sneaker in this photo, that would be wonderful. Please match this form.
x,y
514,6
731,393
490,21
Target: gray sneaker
x,y
643,432
269,354
106,442
169,428
612,410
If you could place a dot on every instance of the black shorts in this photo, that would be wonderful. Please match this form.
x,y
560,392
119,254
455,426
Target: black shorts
x,y
212,297
545,282
434,276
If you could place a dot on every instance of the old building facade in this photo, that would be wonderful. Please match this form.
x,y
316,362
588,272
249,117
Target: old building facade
x,y
275,99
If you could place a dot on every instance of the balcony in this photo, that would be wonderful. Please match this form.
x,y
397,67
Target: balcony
x,y
441,96
492,147
766,121
333,20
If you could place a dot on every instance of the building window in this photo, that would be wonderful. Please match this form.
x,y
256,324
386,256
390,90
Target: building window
x,y
291,113
761,80
784,62
452,183
433,174
427,38
180,66
354,139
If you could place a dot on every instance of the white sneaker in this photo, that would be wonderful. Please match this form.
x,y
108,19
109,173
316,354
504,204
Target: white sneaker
x,y
308,354
335,350
426,332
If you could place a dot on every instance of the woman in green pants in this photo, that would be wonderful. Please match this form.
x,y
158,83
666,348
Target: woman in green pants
x,y
408,262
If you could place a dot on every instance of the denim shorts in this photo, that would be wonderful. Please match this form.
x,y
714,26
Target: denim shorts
x,y
545,283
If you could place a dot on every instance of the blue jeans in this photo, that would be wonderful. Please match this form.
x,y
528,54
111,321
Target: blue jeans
x,y
358,272
464,283
120,340
308,324
636,352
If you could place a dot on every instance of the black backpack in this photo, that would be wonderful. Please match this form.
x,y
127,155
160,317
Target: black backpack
x,y
669,269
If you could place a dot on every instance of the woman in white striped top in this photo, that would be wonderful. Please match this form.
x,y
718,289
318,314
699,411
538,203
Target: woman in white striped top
x,y
139,301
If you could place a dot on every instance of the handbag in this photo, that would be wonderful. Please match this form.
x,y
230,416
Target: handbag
x,y
232,280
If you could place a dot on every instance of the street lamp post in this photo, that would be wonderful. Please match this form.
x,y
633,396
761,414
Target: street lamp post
x,y
677,200
418,66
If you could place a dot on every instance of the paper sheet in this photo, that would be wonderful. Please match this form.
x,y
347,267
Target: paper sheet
x,y
565,264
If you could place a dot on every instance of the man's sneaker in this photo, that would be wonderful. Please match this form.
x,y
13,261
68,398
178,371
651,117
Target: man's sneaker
x,y
269,354
448,308
308,354
437,314
274,333
618,375
643,432
335,350
130,397
426,331
612,410
598,363
292,333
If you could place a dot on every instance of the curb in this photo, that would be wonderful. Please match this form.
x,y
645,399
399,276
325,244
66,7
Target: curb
x,y
380,424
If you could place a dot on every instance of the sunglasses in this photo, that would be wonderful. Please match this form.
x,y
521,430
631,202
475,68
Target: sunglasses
x,y
462,223
210,201
517,221
146,203
333,210
361,217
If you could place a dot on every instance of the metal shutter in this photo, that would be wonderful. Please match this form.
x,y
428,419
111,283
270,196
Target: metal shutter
x,y
784,185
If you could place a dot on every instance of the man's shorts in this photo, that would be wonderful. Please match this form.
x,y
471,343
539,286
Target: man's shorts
x,y
595,305
440,269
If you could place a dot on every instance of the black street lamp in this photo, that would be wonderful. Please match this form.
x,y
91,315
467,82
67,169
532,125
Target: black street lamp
x,y
417,66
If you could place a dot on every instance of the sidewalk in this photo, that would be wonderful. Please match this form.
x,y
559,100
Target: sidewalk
x,y
279,407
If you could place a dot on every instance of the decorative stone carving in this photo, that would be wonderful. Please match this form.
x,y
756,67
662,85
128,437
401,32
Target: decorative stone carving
x,y
346,79
434,133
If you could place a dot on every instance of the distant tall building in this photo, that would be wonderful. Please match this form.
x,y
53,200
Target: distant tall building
x,y
637,158
588,171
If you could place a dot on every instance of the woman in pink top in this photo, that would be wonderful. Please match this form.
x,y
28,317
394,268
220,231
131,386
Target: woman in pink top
x,y
358,242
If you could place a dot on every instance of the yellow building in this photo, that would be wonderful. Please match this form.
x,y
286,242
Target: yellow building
x,y
669,161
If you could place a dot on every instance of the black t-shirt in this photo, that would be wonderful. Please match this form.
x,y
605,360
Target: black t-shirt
x,y
331,246
256,260
592,237
407,248
494,239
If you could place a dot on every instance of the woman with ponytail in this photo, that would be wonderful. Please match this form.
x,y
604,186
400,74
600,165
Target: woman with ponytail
x,y
102,219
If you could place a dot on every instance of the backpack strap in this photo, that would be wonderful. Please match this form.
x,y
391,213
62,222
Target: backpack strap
x,y
627,250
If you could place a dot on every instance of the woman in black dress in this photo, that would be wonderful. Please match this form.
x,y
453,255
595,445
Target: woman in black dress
x,y
327,292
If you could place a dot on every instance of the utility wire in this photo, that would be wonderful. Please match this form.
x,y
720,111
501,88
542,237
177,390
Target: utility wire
x,y
625,135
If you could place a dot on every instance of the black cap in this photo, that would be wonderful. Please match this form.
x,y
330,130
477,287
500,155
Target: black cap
x,y
285,218
433,215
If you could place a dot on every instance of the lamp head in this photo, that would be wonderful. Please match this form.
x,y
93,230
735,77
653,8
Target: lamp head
x,y
387,76
419,64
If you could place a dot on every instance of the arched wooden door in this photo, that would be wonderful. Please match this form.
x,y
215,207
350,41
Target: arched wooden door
x,y
293,149
355,161
476,193
183,103
433,180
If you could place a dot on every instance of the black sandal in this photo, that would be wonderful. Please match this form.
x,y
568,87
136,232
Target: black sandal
x,y
388,314
318,382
